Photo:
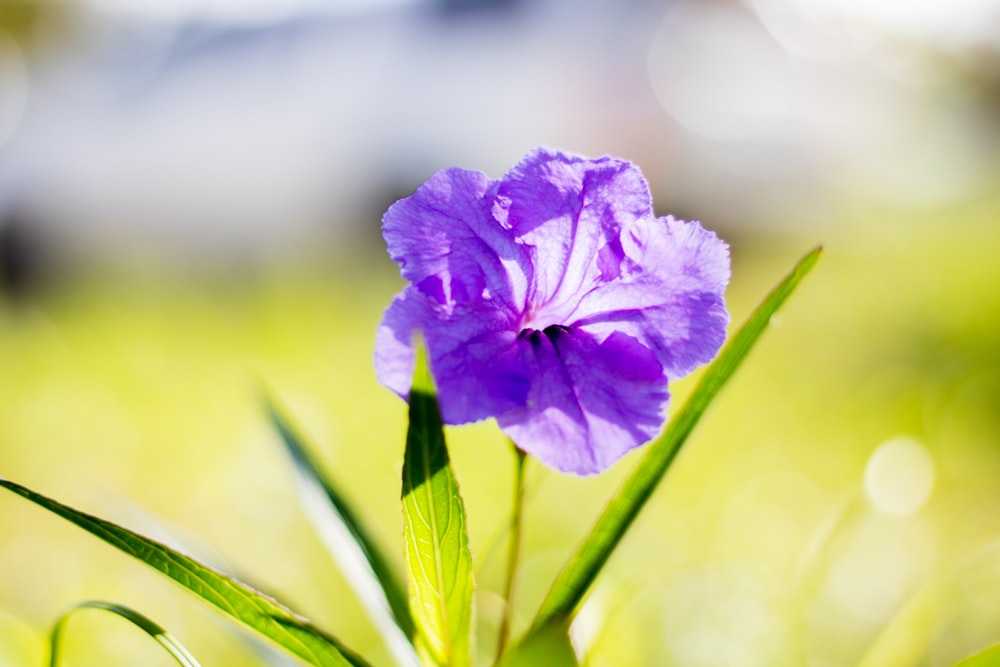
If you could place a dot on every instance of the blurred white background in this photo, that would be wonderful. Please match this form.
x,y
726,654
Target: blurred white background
x,y
194,128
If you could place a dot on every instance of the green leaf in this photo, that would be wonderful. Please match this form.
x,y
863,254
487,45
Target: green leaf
x,y
365,565
155,527
988,658
164,638
905,640
435,537
267,616
572,583
549,646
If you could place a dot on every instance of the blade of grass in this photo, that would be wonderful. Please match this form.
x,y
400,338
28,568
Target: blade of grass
x,y
572,583
164,638
987,658
267,616
434,532
365,565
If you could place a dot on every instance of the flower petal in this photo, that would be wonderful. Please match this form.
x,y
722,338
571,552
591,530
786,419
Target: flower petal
x,y
553,300
448,244
590,402
473,356
572,211
670,295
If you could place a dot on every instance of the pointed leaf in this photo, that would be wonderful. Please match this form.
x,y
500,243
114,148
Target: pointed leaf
x,y
267,616
365,565
578,574
434,532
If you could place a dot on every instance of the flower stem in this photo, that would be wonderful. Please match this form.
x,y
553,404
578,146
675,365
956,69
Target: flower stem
x,y
513,550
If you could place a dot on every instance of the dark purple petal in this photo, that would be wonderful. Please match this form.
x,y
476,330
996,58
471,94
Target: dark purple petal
x,y
450,247
589,402
473,356
669,296
572,212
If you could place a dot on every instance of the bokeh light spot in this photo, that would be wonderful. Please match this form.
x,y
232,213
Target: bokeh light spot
x,y
722,616
719,73
899,476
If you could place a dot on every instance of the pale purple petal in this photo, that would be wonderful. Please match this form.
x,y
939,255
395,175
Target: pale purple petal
x,y
450,247
473,356
590,402
670,296
572,212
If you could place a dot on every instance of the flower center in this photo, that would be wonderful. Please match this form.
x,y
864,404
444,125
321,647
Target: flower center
x,y
540,318
553,332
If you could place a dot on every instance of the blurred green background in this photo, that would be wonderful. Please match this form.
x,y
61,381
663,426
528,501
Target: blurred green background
x,y
841,498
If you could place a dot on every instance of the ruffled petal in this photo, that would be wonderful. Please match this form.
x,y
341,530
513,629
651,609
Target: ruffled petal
x,y
450,247
473,356
553,300
670,296
589,402
572,212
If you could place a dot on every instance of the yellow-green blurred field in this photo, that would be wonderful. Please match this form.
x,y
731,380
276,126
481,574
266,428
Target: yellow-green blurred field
x,y
135,395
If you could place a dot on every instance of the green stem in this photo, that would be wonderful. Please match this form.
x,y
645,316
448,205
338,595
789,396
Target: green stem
x,y
513,550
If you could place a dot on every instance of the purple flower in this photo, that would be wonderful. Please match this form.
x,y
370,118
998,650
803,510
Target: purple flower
x,y
554,300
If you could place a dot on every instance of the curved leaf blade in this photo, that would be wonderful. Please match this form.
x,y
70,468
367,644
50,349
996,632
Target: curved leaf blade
x,y
435,536
572,583
989,657
361,559
151,628
267,616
